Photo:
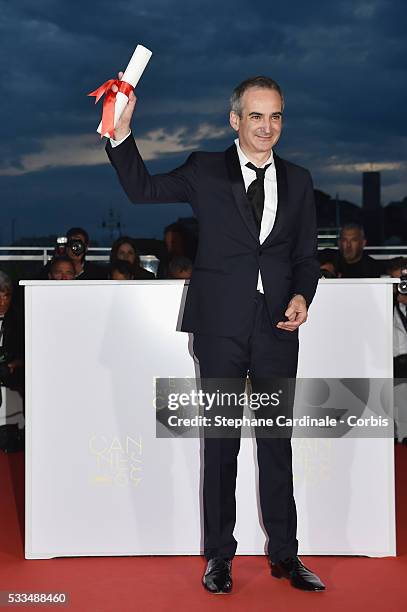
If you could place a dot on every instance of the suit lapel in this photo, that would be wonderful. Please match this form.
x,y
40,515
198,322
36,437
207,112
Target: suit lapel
x,y
239,191
282,198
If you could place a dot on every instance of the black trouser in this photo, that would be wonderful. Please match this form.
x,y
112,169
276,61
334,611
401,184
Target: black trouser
x,y
400,368
263,354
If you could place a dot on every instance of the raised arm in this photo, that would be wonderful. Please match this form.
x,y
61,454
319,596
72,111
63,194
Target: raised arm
x,y
140,186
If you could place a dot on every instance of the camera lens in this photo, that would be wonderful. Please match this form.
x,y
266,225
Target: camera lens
x,y
77,246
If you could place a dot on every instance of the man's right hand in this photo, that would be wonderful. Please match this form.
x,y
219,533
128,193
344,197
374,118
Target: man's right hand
x,y
123,126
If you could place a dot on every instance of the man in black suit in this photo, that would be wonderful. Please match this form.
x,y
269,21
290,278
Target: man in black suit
x,y
254,278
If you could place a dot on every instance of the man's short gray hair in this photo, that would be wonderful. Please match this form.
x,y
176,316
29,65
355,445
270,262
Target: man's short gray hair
x,y
5,282
257,81
353,225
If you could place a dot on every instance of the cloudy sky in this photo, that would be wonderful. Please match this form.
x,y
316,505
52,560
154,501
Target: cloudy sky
x,y
341,64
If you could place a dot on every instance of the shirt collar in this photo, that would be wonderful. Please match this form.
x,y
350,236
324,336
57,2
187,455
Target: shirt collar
x,y
244,160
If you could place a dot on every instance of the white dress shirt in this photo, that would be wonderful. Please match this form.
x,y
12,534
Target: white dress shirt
x,y
270,195
249,175
115,143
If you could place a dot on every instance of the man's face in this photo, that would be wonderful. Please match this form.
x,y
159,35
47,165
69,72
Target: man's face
x,y
62,271
5,301
69,251
351,245
260,125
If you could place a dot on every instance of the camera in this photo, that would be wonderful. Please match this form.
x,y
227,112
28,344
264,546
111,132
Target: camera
x,y
60,247
76,245
402,286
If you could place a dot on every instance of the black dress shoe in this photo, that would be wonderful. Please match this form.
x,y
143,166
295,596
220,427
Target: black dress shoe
x,y
217,578
300,577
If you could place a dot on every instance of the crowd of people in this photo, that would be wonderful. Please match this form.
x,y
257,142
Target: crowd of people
x,y
70,263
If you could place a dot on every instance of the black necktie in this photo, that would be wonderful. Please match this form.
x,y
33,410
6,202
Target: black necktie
x,y
255,192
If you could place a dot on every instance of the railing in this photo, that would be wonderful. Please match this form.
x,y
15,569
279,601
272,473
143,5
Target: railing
x,y
44,254
102,254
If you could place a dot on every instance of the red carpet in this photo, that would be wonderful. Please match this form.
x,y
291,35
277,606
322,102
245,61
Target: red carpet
x,y
154,584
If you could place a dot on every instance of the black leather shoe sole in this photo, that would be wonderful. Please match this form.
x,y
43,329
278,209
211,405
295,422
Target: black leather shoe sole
x,y
224,592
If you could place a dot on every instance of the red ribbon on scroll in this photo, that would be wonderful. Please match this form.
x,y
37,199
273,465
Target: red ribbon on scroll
x,y
109,102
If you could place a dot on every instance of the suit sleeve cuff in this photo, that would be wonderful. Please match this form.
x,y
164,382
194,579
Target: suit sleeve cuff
x,y
116,143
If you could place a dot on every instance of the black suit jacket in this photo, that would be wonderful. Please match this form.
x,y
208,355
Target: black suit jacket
x,y
221,294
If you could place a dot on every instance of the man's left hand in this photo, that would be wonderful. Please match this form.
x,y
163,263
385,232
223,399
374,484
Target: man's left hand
x,y
296,314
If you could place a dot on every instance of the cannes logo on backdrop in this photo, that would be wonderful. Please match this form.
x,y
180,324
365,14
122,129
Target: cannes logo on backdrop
x,y
118,461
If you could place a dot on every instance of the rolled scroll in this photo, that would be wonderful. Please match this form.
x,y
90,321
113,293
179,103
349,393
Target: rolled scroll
x,y
118,100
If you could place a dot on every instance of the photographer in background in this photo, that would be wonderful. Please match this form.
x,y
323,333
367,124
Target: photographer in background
x,y
180,268
353,262
175,241
11,362
76,249
11,338
125,249
397,268
120,269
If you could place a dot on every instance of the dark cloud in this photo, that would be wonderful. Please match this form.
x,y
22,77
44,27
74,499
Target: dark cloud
x,y
40,207
341,65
